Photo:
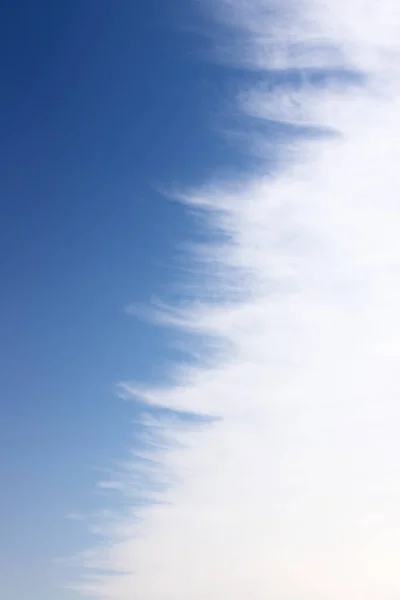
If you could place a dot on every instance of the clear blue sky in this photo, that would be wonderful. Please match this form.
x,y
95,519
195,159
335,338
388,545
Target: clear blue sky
x,y
101,101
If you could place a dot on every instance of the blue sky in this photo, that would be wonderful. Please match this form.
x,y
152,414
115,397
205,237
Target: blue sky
x,y
290,489
101,103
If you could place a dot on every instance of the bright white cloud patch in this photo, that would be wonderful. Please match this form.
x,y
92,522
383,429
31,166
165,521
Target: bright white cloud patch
x,y
293,493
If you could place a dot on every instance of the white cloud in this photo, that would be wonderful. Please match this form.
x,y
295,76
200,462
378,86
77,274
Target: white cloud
x,y
294,491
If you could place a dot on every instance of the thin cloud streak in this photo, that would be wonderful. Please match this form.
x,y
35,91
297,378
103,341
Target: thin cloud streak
x,y
291,490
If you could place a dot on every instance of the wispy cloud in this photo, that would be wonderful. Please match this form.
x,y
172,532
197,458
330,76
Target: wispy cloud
x,y
292,489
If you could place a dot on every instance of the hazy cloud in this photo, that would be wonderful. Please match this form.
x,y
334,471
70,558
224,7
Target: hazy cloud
x,y
292,491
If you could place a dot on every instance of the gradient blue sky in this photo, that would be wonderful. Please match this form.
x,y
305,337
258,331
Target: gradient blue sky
x,y
294,491
101,102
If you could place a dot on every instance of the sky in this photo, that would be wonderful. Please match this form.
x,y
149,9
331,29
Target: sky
x,y
102,105
200,282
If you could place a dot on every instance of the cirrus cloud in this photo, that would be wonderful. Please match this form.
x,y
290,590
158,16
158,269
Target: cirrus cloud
x,y
290,489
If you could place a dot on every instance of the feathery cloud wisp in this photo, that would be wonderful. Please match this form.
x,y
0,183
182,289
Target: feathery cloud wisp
x,y
292,491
